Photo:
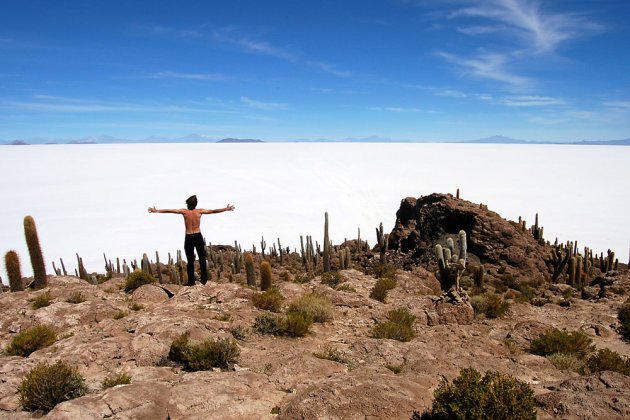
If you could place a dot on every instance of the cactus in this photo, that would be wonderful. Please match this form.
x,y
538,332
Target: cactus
x,y
559,258
451,266
610,261
12,265
157,265
326,245
265,275
579,284
572,271
35,251
249,270
537,232
479,276
383,243
263,245
348,263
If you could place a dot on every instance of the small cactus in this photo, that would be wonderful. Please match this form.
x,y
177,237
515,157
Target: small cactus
x,y
326,245
12,264
35,251
265,275
451,266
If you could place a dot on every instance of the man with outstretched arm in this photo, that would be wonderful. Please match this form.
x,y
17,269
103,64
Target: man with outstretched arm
x,y
194,240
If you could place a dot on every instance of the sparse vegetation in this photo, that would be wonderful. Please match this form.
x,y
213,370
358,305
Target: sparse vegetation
x,y
555,341
120,314
293,324
42,300
384,271
396,369
605,359
30,340
239,332
205,355
332,354
76,297
136,307
346,288
331,278
382,287
137,279
46,385
116,379
489,305
495,396
399,326
269,300
567,362
224,317
313,305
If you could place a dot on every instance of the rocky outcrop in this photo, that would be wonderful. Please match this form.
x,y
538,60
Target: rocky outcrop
x,y
426,221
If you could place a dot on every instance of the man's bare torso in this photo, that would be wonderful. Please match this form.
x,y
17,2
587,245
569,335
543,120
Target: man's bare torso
x,y
192,220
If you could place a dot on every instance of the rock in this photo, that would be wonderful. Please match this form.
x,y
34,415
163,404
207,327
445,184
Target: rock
x,y
424,222
149,293
358,396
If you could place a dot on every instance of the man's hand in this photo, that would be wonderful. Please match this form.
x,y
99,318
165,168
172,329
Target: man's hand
x,y
152,209
229,207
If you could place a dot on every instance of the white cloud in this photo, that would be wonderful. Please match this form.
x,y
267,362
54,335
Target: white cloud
x,y
526,20
451,93
210,77
265,106
618,104
532,101
395,109
487,65
182,33
329,68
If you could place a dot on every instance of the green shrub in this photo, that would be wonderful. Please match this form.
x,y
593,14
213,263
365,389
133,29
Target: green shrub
x,y
297,324
556,341
624,318
606,359
332,354
399,326
117,379
239,332
137,279
567,362
120,314
386,270
382,286
495,396
46,385
314,305
76,297
331,278
489,305
270,300
43,300
221,353
293,324
30,340
346,288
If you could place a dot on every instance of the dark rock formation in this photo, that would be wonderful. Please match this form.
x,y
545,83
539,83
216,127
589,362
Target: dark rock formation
x,y
424,222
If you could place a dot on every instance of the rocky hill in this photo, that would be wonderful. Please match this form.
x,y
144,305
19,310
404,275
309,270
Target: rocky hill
x,y
338,370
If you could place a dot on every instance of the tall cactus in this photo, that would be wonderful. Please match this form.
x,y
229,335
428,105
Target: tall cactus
x,y
265,275
249,270
451,266
12,264
383,243
35,251
326,245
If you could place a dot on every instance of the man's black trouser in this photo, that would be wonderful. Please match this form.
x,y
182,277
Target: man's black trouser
x,y
195,240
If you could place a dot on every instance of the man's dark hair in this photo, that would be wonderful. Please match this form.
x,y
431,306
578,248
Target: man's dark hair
x,y
191,202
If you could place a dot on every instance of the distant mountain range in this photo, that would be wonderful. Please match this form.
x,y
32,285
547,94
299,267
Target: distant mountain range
x,y
201,138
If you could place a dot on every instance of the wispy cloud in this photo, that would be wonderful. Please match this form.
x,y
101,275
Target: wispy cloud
x,y
47,103
492,66
624,105
181,33
329,68
208,77
532,101
232,35
399,109
265,106
526,20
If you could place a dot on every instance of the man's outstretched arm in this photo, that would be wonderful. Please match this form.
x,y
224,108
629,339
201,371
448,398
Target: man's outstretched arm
x,y
229,207
175,211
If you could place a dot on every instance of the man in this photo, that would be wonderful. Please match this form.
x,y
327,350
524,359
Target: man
x,y
194,240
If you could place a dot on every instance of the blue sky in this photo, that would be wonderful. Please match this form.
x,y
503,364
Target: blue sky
x,y
423,70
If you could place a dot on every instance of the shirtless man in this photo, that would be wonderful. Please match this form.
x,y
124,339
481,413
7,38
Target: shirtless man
x,y
192,220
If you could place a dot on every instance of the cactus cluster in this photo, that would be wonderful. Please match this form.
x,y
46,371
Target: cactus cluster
x,y
451,265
